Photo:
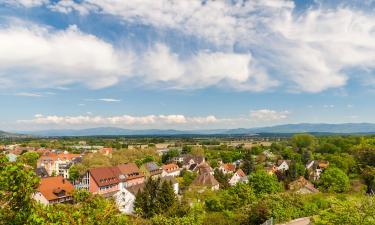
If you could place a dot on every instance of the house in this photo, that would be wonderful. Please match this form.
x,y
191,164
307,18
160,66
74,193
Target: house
x,y
203,168
238,177
170,170
302,186
315,168
188,161
106,151
126,196
227,168
108,180
205,179
151,169
132,174
104,180
54,190
283,165
58,163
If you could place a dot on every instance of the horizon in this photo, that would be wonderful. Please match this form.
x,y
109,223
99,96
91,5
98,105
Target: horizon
x,y
185,65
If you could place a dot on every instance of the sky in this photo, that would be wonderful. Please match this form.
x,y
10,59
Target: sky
x,y
185,64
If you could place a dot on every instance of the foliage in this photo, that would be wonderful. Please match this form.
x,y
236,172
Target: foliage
x,y
301,141
156,198
30,158
17,183
263,183
222,178
355,211
169,155
334,180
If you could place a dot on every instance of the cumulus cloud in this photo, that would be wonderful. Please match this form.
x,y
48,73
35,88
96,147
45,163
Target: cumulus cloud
x,y
37,56
121,120
268,115
203,69
308,50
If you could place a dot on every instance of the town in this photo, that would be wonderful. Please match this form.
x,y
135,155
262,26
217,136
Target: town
x,y
164,180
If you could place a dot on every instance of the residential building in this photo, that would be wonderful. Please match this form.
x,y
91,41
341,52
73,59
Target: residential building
x,y
205,179
315,168
302,186
104,180
58,163
170,170
151,169
227,168
238,177
283,165
54,190
108,180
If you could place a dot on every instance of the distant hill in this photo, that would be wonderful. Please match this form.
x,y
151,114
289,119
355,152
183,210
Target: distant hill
x,y
344,128
4,134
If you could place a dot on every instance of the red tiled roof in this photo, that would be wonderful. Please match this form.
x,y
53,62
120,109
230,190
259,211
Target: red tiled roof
x,y
61,156
130,170
104,176
170,167
241,173
229,167
51,186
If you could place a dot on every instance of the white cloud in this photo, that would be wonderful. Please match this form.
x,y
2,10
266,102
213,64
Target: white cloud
x,y
122,120
329,106
109,100
308,50
36,56
28,94
268,115
26,3
203,69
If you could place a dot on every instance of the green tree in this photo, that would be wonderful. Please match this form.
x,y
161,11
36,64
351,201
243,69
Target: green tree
x,y
17,183
222,178
248,164
334,180
263,183
348,212
156,198
301,141
30,158
296,170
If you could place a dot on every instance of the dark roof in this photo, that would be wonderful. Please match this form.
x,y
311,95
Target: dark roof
x,y
136,188
41,172
153,168
205,179
192,166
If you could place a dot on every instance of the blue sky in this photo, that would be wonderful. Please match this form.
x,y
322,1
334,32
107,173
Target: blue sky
x,y
186,64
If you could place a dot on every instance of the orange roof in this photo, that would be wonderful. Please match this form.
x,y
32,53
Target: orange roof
x,y
170,167
229,167
61,156
106,150
52,187
241,173
131,170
